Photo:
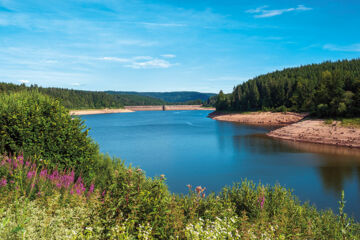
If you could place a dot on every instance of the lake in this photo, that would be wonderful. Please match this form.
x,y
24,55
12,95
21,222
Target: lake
x,y
190,148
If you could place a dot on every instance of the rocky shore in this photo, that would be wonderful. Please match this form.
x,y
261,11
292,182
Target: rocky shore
x,y
316,131
259,118
295,128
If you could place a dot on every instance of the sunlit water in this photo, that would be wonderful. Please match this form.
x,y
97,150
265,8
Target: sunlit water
x,y
190,148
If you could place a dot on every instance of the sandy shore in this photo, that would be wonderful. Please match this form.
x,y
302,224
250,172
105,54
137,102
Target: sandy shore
x,y
98,111
259,118
316,131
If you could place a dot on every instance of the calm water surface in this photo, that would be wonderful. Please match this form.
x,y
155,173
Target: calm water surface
x,y
190,148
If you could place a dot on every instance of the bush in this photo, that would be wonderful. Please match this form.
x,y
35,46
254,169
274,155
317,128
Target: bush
x,y
41,128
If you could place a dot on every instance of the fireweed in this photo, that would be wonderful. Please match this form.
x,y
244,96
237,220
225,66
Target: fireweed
x,y
30,179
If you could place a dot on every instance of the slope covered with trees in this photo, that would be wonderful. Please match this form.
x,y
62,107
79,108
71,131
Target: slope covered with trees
x,y
329,89
172,97
77,99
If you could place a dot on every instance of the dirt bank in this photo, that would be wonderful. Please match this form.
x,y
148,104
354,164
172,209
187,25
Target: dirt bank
x,y
259,118
316,131
97,111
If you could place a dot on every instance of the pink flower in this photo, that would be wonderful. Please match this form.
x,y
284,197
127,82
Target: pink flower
x,y
20,159
3,182
261,200
43,174
30,174
91,189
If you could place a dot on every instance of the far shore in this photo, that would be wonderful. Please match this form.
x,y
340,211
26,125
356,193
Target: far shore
x,y
98,111
294,127
128,109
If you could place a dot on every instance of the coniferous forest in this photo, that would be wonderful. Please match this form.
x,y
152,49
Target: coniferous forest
x,y
78,99
329,89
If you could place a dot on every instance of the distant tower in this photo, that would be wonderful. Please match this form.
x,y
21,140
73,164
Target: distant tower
x,y
163,108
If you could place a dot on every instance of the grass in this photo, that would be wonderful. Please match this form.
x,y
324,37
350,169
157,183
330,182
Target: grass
x,y
345,122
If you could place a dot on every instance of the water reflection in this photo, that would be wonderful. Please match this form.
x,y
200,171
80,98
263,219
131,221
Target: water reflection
x,y
335,165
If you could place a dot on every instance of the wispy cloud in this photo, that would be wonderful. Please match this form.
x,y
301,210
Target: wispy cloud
x,y
155,24
24,81
168,56
348,48
154,63
263,12
140,62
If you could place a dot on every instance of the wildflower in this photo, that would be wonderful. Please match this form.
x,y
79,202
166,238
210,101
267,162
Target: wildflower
x,y
103,193
43,174
30,174
15,164
203,195
91,189
189,186
3,182
139,170
261,200
199,189
27,164
20,159
162,176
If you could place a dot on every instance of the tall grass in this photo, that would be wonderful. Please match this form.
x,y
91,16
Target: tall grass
x,y
39,204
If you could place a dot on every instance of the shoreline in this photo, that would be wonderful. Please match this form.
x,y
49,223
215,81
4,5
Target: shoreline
x,y
316,131
98,111
294,127
259,118
128,109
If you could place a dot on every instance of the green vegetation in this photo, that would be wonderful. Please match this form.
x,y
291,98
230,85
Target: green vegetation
x,y
330,89
172,97
346,122
101,198
76,99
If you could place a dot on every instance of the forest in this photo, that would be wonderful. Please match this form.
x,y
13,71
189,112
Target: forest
x,y
77,99
172,97
329,89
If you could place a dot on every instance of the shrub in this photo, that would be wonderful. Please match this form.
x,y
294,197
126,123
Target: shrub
x,y
41,128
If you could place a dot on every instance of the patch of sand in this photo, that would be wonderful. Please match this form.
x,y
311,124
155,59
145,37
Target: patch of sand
x,y
98,111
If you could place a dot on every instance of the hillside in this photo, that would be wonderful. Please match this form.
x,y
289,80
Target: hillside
x,y
171,97
329,89
77,99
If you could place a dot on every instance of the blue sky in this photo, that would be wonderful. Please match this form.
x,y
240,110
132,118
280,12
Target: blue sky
x,y
169,45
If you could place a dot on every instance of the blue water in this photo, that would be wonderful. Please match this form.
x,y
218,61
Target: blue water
x,y
190,148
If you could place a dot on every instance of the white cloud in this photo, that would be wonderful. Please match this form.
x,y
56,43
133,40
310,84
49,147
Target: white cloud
x,y
262,12
139,62
152,24
116,59
154,63
24,81
348,48
75,84
168,56
257,10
